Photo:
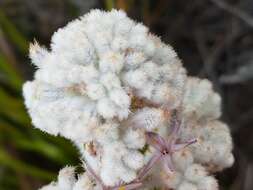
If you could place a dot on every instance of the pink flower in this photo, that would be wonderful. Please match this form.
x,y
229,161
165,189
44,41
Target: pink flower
x,y
165,147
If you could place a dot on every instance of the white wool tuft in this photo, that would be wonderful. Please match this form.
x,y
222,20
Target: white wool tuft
x,y
108,84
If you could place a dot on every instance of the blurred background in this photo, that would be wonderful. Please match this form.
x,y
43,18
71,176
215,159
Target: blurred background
x,y
214,38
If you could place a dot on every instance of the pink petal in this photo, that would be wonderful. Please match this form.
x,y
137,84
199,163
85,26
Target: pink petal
x,y
92,173
175,128
168,165
157,156
155,140
177,147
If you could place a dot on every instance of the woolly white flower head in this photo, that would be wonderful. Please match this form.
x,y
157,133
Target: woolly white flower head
x,y
84,69
112,87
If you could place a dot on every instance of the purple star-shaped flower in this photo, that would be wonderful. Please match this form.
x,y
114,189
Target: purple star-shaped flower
x,y
165,147
121,186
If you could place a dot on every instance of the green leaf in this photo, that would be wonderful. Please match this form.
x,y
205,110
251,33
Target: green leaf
x,y
11,74
13,34
17,165
23,141
13,108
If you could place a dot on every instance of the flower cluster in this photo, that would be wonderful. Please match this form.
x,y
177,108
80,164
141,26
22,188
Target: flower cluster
x,y
123,97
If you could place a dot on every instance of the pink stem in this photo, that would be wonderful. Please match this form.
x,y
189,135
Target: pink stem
x,y
130,186
92,173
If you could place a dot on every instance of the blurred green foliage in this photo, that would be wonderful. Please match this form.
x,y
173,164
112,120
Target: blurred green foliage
x,y
25,153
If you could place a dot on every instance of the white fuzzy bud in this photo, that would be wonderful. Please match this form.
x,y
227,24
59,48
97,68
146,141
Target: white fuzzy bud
x,y
195,173
208,183
66,178
200,101
187,186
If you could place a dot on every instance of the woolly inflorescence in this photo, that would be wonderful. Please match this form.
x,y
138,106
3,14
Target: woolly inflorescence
x,y
106,83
